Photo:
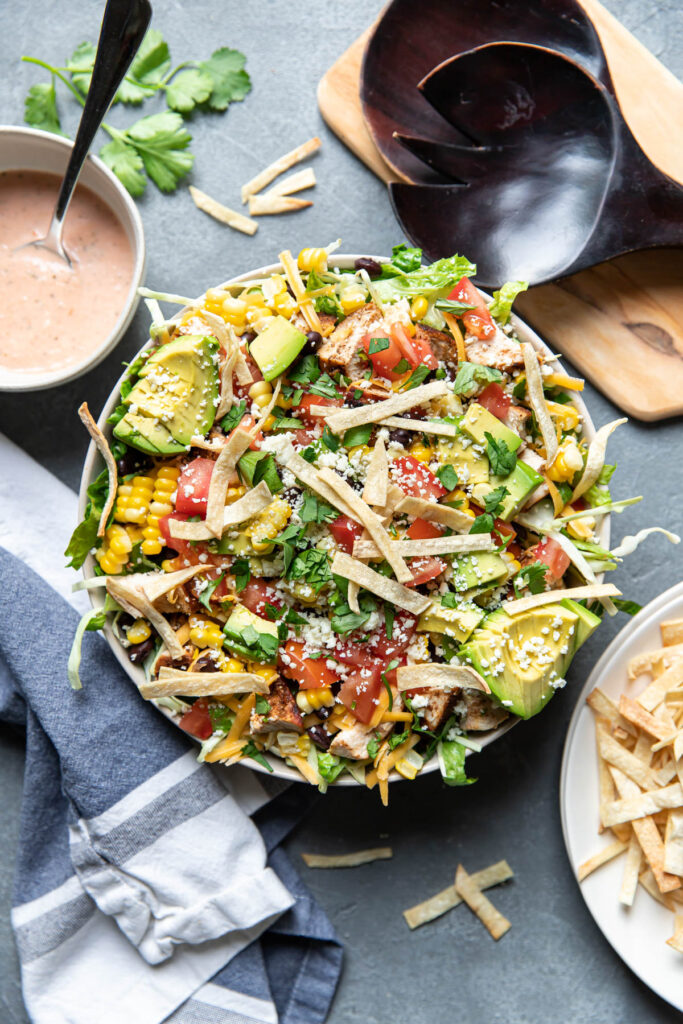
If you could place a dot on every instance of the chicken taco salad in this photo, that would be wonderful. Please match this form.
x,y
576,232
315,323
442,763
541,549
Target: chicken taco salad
x,y
347,518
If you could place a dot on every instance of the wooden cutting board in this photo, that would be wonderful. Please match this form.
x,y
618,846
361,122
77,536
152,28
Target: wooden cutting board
x,y
620,323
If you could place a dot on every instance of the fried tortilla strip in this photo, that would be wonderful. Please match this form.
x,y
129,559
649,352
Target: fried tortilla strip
x,y
173,682
271,202
347,860
435,513
278,167
601,704
238,512
304,301
672,632
623,759
645,662
534,384
524,604
629,881
105,451
309,476
673,843
223,470
296,182
377,476
648,882
389,590
676,940
644,804
643,719
603,856
605,783
436,675
492,919
670,679
373,412
448,898
596,458
648,836
428,546
223,214
421,426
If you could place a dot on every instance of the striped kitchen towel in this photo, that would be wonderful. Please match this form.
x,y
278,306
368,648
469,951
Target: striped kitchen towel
x,y
148,887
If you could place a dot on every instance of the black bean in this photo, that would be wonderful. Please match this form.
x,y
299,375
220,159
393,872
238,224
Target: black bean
x,y
372,267
320,736
205,663
401,436
131,462
313,342
248,337
139,652
125,621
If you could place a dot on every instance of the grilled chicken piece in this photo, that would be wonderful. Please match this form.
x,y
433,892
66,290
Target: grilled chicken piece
x,y
353,743
341,348
284,714
500,352
441,704
442,344
482,713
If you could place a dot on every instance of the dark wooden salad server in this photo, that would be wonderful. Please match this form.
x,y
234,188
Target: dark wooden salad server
x,y
551,180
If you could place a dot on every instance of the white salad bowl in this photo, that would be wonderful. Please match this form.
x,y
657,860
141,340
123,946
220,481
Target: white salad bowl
x,y
28,149
92,467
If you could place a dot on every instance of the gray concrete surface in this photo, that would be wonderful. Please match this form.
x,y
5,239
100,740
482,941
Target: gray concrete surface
x,y
554,967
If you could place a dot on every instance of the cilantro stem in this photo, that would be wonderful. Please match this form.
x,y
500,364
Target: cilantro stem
x,y
174,71
114,133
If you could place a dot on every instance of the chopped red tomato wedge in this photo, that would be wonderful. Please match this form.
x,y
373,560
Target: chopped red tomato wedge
x,y
478,321
422,529
416,350
303,437
415,479
424,569
303,409
384,362
495,400
193,487
551,554
360,691
385,649
197,720
257,594
309,673
345,530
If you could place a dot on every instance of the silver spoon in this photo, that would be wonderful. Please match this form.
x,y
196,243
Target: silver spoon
x,y
123,27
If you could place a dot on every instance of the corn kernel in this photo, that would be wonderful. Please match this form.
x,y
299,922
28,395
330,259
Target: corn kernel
x,y
204,632
234,493
582,528
566,416
253,300
259,389
311,700
406,768
232,665
268,524
285,305
234,310
312,259
567,462
421,452
418,307
352,299
266,672
138,632
168,565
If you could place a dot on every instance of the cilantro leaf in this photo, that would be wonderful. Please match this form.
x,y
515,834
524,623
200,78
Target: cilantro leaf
x,y
188,89
80,65
449,600
389,616
417,377
531,577
261,707
306,371
315,510
251,750
242,573
234,416
373,746
345,621
221,718
482,524
325,387
377,345
448,477
450,306
127,165
493,502
502,460
98,619
355,436
40,108
205,596
161,140
256,466
230,83
330,440
84,537
151,64
473,376
402,366
628,607
312,567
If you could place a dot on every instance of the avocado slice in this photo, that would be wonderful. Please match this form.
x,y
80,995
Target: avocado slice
x,y
524,658
240,620
520,484
478,421
477,570
276,347
471,466
457,623
175,397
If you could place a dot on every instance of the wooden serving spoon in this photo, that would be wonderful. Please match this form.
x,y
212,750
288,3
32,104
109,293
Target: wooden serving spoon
x,y
549,179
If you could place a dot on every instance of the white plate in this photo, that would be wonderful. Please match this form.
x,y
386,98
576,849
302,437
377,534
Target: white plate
x,y
92,467
639,933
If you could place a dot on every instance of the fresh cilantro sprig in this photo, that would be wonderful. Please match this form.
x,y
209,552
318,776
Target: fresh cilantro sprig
x,y
155,146
209,590
531,578
502,460
448,477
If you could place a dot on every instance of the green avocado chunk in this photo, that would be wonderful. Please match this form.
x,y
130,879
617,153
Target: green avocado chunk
x,y
174,398
520,483
472,466
478,421
457,623
478,570
524,658
276,347
241,620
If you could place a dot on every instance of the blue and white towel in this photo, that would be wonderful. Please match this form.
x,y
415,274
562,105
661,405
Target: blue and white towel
x,y
149,887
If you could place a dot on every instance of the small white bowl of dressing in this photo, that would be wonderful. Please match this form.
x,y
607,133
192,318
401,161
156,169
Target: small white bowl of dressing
x,y
57,323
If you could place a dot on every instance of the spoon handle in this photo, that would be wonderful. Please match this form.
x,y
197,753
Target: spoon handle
x,y
123,27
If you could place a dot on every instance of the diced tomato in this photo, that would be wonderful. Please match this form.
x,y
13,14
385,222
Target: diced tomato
x,y
478,320
241,390
193,487
183,547
303,437
309,673
197,720
385,649
415,479
425,568
504,529
303,410
384,362
416,350
360,691
391,676
495,400
257,594
422,529
551,554
345,530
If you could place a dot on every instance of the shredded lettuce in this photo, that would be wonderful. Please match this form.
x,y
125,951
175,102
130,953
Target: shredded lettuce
x,y
629,544
503,299
451,756
433,281
177,300
329,767
91,621
599,494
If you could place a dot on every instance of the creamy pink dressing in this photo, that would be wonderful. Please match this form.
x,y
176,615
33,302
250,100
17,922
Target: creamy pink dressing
x,y
52,316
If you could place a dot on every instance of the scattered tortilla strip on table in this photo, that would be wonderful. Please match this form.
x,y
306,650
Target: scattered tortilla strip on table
x,y
448,898
370,520
672,632
435,513
596,590
389,590
437,675
244,508
422,426
296,182
173,682
278,167
374,412
347,860
377,476
534,385
605,855
596,458
492,919
270,202
223,214
428,546
109,461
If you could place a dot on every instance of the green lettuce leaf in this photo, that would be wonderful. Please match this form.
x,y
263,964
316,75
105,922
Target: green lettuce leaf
x,y
451,756
433,281
503,299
